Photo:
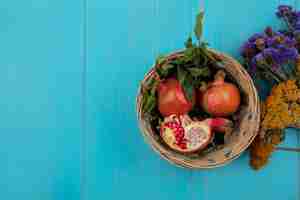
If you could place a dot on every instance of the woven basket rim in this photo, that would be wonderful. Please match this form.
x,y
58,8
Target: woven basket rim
x,y
155,144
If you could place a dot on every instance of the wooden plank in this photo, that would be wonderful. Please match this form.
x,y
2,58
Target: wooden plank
x,y
297,6
124,39
40,84
235,22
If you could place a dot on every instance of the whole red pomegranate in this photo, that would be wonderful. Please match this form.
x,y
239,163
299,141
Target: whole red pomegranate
x,y
172,100
220,99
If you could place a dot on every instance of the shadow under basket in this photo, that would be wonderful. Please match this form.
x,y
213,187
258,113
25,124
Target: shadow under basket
x,y
243,134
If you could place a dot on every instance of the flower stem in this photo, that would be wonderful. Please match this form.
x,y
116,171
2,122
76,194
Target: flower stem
x,y
288,23
278,77
288,149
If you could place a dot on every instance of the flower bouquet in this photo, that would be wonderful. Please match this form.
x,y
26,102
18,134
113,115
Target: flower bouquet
x,y
272,56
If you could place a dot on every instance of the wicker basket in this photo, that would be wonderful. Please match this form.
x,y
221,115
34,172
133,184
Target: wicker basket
x,y
242,136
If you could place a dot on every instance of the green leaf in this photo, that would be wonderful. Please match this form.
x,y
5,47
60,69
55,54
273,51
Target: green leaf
x,y
199,58
196,72
167,67
164,70
186,82
181,74
178,61
154,88
205,56
199,25
149,83
149,102
160,60
189,42
144,100
189,53
149,95
159,71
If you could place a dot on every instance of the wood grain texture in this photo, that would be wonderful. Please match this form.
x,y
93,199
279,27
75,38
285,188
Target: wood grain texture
x,y
69,74
123,41
40,104
297,5
279,179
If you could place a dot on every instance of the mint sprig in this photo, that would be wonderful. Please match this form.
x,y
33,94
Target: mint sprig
x,y
199,26
190,69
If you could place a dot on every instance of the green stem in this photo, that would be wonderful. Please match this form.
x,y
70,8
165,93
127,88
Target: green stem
x,y
265,67
272,76
207,54
288,23
288,149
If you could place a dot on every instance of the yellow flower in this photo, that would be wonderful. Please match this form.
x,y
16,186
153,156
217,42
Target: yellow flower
x,y
282,109
295,112
298,64
261,150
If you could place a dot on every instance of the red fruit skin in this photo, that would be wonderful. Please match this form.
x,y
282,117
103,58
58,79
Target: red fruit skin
x,y
221,100
220,124
172,100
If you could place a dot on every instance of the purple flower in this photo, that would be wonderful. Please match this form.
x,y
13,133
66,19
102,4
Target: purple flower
x,y
275,40
272,50
260,44
293,53
249,45
287,54
248,50
283,10
256,36
253,66
297,14
271,42
259,58
297,25
277,33
290,42
269,31
296,34
271,54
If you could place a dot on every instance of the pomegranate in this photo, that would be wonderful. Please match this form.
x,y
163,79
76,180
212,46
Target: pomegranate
x,y
172,100
186,135
220,99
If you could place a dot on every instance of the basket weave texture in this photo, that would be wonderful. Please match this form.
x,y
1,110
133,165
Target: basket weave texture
x,y
243,134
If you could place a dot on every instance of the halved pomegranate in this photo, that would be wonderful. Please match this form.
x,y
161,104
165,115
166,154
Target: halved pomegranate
x,y
185,135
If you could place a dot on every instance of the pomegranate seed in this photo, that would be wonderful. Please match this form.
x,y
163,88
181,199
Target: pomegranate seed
x,y
182,146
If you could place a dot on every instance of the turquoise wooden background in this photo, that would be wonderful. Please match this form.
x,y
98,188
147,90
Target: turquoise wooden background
x,y
69,73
